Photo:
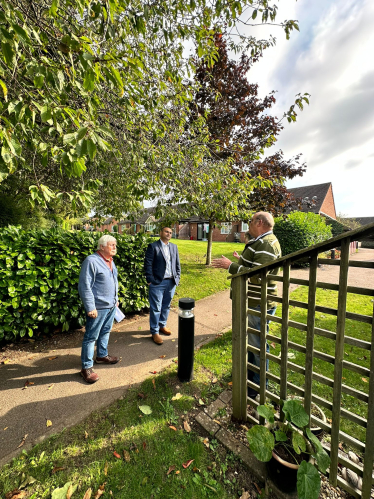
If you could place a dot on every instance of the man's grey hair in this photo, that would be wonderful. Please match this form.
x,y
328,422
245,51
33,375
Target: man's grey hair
x,y
266,218
104,240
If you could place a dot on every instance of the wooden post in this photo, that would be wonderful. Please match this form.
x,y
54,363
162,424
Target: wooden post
x,y
339,354
310,333
264,307
284,334
369,444
239,346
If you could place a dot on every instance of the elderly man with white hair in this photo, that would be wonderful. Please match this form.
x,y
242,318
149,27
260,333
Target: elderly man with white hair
x,y
98,289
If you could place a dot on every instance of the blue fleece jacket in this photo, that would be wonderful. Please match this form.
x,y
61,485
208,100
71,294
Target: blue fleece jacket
x,y
98,285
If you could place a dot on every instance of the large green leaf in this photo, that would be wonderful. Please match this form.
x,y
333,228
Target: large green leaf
x,y
261,442
266,412
295,413
308,481
298,442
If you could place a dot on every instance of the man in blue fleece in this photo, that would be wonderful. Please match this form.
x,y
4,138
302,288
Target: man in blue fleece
x,y
98,289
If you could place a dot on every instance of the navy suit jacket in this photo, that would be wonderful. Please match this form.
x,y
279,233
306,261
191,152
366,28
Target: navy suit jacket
x,y
155,263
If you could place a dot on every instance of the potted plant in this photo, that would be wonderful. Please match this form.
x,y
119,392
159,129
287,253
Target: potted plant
x,y
294,453
316,411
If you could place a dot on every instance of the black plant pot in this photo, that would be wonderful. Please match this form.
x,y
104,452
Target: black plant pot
x,y
283,474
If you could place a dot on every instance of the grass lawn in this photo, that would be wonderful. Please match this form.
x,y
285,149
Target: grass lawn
x,y
198,280
355,303
154,450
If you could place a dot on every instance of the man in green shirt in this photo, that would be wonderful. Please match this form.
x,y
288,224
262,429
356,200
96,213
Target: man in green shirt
x,y
263,247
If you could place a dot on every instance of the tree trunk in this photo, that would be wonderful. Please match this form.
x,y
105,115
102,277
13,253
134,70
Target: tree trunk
x,y
209,247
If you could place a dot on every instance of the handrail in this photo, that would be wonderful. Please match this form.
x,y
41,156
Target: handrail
x,y
317,248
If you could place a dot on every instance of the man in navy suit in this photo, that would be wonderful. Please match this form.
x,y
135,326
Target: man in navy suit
x,y
163,271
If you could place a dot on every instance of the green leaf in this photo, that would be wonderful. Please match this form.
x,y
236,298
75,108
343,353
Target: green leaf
x,y
295,413
298,442
323,460
89,80
145,409
54,7
45,113
308,481
39,81
62,492
5,90
8,53
21,32
266,412
82,132
261,442
280,436
91,149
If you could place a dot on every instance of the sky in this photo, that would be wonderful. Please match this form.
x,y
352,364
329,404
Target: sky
x,y
331,58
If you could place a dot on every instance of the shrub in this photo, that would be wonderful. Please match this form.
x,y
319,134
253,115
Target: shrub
x,y
39,271
300,230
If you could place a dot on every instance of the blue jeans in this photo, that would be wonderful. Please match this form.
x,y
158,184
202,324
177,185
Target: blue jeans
x,y
97,330
254,340
160,296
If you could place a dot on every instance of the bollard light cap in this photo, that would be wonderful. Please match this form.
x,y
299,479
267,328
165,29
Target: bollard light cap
x,y
186,303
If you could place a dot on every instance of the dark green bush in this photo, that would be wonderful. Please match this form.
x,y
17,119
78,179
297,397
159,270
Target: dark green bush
x,y
39,271
300,230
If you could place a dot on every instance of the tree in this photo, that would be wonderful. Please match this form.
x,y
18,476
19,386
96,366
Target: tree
x,y
240,130
91,88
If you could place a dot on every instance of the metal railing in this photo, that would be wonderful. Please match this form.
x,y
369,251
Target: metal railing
x,y
240,347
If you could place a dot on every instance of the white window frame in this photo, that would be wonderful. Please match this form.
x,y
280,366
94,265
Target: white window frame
x,y
149,226
245,227
226,228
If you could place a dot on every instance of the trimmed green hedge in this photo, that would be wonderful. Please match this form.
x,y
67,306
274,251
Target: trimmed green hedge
x,y
39,271
300,230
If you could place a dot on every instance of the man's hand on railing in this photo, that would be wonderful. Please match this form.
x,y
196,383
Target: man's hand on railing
x,y
221,263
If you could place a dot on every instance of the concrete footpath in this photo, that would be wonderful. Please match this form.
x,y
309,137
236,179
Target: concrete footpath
x,y
56,392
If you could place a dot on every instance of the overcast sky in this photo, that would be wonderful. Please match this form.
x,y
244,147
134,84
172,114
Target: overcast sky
x,y
332,58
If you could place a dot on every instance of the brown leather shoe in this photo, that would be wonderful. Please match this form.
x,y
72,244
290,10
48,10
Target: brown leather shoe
x,y
157,339
107,360
166,331
89,375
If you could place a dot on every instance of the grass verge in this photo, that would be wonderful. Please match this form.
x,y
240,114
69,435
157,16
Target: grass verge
x,y
153,451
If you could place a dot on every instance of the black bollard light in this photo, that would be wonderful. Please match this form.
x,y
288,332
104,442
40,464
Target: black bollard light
x,y
186,339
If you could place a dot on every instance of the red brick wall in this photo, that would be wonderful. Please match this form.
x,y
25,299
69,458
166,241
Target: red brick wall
x,y
328,205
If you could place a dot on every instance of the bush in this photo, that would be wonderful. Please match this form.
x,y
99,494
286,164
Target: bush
x,y
39,271
300,230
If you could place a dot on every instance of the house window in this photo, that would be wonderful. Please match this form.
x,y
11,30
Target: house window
x,y
225,228
244,227
149,227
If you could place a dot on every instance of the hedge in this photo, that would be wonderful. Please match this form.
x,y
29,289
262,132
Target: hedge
x,y
39,271
300,230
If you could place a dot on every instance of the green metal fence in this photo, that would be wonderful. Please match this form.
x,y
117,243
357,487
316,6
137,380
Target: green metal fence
x,y
240,287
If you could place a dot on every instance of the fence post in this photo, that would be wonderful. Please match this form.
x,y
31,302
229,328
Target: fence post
x,y
284,335
239,346
264,307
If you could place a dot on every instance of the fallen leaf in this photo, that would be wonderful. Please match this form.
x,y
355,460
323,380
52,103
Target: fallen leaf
x,y
229,383
6,361
216,421
106,468
162,356
186,426
141,395
245,428
139,328
329,420
272,345
23,441
172,340
16,494
177,472
153,372
87,495
145,409
201,402
173,428
245,494
64,492
364,379
177,396
115,454
206,442
56,469
258,489
29,480
144,445
187,463
71,490
50,386
52,358
28,383
85,435
6,428
154,384
172,468
126,455
214,380
48,423
100,491
216,315
195,469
